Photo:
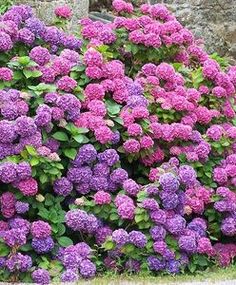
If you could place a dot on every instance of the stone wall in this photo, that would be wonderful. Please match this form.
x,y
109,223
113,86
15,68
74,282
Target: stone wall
x,y
212,20
45,8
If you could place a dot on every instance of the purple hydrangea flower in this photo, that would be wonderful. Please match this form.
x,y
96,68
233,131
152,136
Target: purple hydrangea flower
x,y
8,172
150,204
42,245
170,200
118,176
131,187
7,132
99,183
173,266
158,233
41,276
19,223
152,190
26,36
87,269
25,126
15,237
109,156
35,26
101,169
78,175
138,239
40,229
155,264
63,186
133,265
21,207
115,137
2,262
120,237
52,35
5,42
86,155
40,55
19,262
70,257
69,275
79,220
23,170
187,175
188,244
158,217
102,234
169,182
228,226
176,224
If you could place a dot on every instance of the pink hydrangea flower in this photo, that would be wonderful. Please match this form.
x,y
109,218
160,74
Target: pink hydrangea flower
x,y
101,198
64,12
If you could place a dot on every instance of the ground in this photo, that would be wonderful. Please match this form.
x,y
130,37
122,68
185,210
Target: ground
x,y
212,276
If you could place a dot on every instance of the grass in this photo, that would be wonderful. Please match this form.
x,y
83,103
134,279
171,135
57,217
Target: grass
x,y
212,275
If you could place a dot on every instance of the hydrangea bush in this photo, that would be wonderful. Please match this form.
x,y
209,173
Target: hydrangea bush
x,y
117,147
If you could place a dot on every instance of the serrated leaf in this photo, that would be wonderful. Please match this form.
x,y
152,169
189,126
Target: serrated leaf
x,y
70,153
34,161
81,139
31,150
43,178
108,245
65,241
60,136
82,130
4,250
114,217
31,73
138,218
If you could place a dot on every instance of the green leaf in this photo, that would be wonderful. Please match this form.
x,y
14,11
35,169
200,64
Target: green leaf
x,y
114,217
70,153
42,87
118,120
24,60
55,268
65,241
26,247
53,171
31,150
128,248
192,267
61,229
201,260
44,263
60,136
113,108
81,139
108,245
82,130
43,178
34,161
4,250
31,73
208,174
17,75
138,218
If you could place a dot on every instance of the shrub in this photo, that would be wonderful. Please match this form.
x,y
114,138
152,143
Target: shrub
x,y
117,148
